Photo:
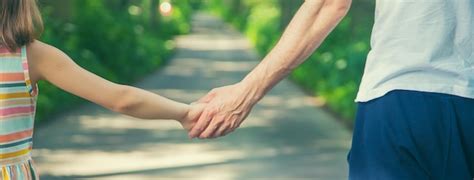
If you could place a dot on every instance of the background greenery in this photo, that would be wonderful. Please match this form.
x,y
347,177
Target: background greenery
x,y
123,40
120,40
334,71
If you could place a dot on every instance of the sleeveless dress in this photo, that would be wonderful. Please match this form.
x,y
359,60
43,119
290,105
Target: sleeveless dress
x,y
17,113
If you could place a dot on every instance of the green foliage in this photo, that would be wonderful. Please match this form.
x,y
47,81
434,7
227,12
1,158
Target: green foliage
x,y
263,26
334,70
115,41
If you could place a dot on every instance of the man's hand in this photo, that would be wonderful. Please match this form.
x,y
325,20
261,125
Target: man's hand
x,y
227,108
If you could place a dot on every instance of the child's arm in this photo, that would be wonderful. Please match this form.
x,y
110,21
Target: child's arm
x,y
51,64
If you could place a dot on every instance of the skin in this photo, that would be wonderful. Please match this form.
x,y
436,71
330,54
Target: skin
x,y
309,27
51,64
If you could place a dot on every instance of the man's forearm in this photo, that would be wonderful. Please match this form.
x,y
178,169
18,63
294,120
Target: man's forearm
x,y
310,26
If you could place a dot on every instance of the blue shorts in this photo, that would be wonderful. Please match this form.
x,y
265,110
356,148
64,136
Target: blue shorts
x,y
413,135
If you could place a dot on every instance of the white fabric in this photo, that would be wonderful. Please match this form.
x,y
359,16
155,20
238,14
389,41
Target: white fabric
x,y
420,45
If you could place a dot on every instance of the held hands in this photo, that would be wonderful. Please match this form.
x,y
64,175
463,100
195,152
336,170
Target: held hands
x,y
190,118
227,107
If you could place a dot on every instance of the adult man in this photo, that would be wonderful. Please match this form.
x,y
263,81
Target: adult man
x,y
416,100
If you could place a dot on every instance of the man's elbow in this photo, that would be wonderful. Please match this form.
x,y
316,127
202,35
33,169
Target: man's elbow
x,y
339,7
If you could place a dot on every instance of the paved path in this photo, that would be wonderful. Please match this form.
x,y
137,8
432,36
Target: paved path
x,y
287,136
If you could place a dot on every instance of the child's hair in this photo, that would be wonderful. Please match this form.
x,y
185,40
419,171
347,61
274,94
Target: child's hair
x,y
21,23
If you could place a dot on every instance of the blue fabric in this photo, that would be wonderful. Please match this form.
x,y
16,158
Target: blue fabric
x,y
413,135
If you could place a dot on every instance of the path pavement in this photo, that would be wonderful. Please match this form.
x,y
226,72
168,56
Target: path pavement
x,y
287,136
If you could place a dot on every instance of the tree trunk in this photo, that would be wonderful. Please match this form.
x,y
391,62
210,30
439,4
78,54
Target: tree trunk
x,y
154,15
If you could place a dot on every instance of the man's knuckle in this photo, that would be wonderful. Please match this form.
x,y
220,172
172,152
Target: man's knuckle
x,y
207,112
212,112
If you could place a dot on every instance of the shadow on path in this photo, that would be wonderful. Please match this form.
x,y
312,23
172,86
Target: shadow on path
x,y
286,136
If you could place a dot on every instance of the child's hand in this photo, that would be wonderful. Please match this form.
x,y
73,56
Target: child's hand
x,y
192,116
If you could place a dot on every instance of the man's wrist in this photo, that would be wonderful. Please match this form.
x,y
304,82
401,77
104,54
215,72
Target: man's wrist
x,y
255,90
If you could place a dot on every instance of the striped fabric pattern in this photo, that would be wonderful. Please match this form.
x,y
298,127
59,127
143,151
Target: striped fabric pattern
x,y
17,113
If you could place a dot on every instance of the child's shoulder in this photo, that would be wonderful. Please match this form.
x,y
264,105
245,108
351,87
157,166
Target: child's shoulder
x,y
38,48
43,58
39,51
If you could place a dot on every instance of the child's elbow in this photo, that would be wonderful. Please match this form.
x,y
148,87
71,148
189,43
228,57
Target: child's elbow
x,y
124,101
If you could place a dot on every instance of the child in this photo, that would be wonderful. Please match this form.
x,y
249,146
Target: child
x,y
24,61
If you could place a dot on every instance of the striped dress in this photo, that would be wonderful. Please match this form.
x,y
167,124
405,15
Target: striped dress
x,y
17,112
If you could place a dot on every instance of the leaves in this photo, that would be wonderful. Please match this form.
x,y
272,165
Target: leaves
x,y
111,42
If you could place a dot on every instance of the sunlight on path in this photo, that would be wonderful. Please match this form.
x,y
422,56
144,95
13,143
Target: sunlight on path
x,y
285,137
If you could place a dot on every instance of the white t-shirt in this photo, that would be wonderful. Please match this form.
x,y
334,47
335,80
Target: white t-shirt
x,y
420,45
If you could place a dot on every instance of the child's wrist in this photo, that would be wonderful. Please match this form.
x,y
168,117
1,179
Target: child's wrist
x,y
183,111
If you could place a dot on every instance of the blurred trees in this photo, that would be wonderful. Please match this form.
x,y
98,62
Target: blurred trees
x,y
288,9
120,40
334,71
154,15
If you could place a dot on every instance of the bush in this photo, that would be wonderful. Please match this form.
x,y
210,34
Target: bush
x,y
117,44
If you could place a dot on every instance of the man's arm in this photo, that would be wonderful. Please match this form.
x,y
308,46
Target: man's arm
x,y
309,27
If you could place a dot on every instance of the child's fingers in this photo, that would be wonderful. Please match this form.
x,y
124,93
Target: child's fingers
x,y
205,99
